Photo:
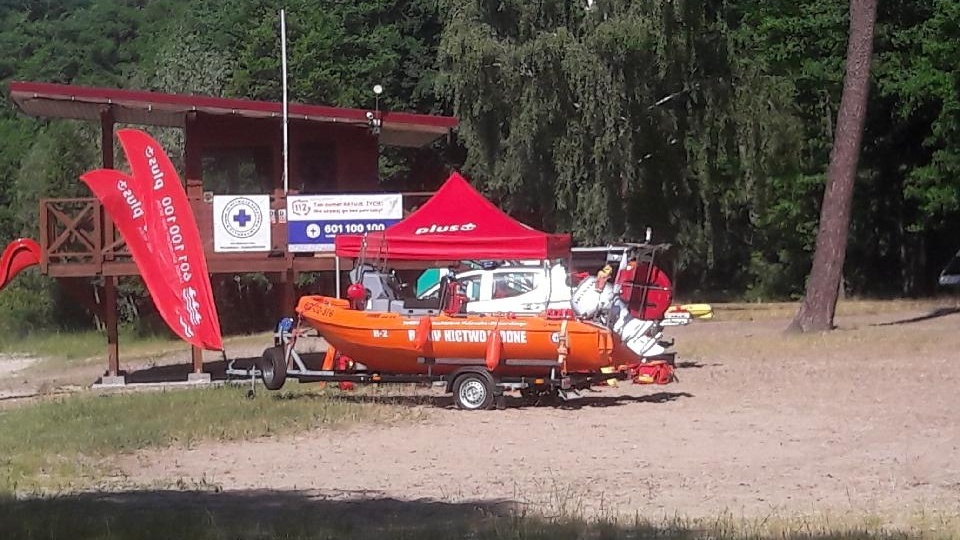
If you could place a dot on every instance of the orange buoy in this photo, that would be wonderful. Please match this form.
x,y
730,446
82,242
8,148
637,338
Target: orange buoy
x,y
423,333
494,350
328,358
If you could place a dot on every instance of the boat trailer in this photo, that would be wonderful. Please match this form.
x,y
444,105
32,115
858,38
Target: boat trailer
x,y
473,386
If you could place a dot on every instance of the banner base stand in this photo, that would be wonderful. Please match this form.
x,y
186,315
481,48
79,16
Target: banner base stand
x,y
111,380
199,378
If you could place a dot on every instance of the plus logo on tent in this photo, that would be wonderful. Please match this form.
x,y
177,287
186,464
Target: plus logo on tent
x,y
434,228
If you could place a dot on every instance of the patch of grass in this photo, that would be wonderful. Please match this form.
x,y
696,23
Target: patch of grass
x,y
148,515
757,311
59,350
65,443
84,345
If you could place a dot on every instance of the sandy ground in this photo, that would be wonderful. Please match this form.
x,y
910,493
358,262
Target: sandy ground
x,y
861,420
15,382
13,365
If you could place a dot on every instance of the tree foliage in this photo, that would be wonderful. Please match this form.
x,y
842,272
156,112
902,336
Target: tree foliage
x,y
709,121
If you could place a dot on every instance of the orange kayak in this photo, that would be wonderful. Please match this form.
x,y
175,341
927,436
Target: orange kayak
x,y
510,346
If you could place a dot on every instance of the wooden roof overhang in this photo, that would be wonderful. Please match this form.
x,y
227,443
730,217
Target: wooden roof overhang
x,y
137,107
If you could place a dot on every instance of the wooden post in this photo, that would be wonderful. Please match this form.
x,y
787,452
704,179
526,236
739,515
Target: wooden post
x,y
110,319
196,354
193,173
192,158
289,293
106,153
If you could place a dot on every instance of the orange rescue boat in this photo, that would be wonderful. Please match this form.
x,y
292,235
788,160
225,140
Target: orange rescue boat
x,y
379,335
508,346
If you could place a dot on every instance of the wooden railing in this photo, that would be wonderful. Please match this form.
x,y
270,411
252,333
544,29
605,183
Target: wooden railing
x,y
77,231
77,237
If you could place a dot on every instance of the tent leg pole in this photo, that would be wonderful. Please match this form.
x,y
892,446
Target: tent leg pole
x,y
336,269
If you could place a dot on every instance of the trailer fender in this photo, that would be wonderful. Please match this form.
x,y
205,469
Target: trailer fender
x,y
469,369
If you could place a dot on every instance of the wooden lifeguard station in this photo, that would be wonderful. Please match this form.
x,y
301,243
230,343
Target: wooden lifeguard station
x,y
331,150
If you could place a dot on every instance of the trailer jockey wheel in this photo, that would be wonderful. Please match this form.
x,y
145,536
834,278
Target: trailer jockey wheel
x,y
473,391
273,368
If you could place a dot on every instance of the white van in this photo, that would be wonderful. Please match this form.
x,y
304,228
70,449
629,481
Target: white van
x,y
521,289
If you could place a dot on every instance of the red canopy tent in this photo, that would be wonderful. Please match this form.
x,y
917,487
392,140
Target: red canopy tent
x,y
457,223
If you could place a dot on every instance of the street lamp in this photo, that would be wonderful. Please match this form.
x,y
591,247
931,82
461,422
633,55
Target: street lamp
x,y
374,117
377,90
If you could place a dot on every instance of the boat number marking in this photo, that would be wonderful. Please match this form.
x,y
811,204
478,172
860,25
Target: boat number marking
x,y
380,334
471,336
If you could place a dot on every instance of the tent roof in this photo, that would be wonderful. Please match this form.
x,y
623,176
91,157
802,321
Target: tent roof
x,y
458,223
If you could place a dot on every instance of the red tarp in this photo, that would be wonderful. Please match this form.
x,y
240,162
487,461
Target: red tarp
x,y
457,223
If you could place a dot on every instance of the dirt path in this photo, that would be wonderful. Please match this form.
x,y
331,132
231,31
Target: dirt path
x,y
11,372
861,420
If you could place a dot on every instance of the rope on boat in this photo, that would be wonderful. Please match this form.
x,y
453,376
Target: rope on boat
x,y
562,349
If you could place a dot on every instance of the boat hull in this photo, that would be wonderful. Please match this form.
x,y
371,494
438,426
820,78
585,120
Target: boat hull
x,y
394,343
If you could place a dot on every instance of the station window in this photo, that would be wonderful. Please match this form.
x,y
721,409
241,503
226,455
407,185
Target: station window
x,y
316,168
238,171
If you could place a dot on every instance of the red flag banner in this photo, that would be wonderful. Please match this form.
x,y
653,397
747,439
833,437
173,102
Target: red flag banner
x,y
152,213
173,234
123,200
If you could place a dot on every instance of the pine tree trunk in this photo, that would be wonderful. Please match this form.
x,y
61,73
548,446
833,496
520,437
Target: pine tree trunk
x,y
820,302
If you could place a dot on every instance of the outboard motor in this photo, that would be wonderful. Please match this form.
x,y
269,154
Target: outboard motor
x,y
639,335
633,306
591,298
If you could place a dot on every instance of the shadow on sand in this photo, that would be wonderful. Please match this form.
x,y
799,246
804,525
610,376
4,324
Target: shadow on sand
x,y
586,399
410,394
175,372
179,372
263,514
935,314
696,365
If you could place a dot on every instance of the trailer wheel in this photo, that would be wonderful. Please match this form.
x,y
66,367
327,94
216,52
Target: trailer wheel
x,y
273,368
473,391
